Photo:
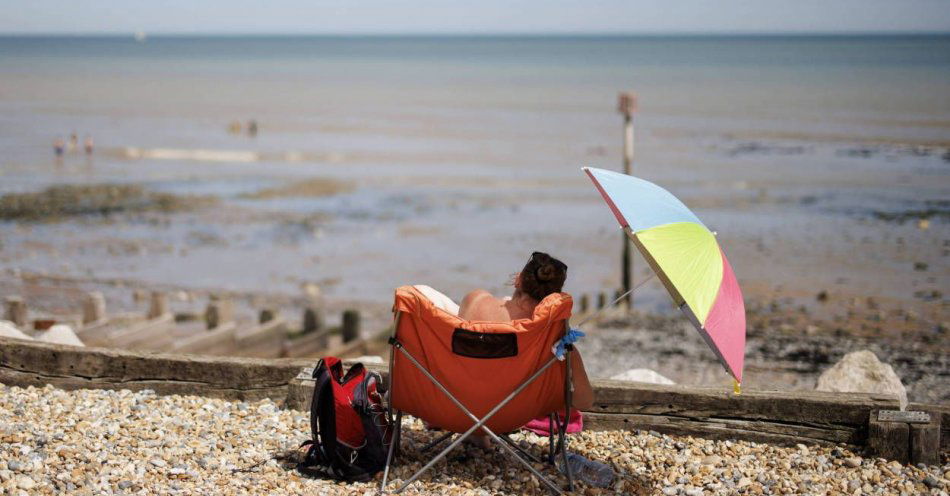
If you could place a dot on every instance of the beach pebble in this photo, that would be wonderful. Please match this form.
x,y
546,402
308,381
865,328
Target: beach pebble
x,y
98,442
25,483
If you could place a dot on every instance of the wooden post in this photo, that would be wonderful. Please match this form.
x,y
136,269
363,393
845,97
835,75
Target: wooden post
x,y
157,304
627,105
585,302
266,315
218,313
925,441
601,300
16,311
890,440
312,320
93,308
313,323
351,325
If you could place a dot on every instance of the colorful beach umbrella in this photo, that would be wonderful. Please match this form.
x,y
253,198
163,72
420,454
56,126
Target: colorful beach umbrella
x,y
686,257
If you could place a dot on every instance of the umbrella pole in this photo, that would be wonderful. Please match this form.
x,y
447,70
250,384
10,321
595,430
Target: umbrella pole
x,y
616,300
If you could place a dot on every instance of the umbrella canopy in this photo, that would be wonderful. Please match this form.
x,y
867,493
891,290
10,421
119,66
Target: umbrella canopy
x,y
686,257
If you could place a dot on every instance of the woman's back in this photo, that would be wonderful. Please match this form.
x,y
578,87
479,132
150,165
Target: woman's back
x,y
481,305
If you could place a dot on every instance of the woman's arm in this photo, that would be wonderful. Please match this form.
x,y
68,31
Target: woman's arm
x,y
583,397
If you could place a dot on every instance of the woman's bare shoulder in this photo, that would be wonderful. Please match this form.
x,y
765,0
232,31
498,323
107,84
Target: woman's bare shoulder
x,y
476,295
471,306
473,297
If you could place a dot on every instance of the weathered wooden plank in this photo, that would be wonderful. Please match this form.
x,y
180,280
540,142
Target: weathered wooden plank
x,y
217,341
349,350
153,334
25,363
309,344
804,407
265,340
758,431
98,333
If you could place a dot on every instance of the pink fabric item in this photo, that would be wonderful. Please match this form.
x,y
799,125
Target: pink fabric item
x,y
540,425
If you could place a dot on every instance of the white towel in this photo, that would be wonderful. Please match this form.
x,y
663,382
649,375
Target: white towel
x,y
438,299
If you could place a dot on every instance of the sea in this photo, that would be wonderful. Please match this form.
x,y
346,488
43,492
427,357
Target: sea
x,y
808,155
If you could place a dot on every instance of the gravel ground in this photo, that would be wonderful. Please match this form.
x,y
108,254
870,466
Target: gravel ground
x,y
123,442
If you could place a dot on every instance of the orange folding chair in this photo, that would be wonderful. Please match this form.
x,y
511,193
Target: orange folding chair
x,y
464,376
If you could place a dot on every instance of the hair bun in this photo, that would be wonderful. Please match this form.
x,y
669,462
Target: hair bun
x,y
546,272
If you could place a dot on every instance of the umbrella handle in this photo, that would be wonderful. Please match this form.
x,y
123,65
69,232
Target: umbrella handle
x,y
736,387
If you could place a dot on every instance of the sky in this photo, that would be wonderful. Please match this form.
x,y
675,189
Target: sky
x,y
472,16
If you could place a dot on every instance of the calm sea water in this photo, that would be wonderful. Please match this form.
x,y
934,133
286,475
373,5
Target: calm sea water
x,y
465,151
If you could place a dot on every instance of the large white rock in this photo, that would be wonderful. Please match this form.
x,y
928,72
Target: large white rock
x,y
862,372
8,330
59,334
642,375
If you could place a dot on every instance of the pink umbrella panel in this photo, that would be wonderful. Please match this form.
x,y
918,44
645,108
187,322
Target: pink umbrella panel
x,y
686,257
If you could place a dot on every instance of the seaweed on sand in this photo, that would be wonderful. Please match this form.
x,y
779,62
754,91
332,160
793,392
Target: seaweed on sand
x,y
312,187
57,202
931,209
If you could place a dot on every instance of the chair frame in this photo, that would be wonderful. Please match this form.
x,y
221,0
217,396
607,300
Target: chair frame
x,y
560,446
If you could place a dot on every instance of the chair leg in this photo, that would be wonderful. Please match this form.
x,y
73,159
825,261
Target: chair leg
x,y
393,444
551,438
567,467
511,443
479,422
562,430
438,441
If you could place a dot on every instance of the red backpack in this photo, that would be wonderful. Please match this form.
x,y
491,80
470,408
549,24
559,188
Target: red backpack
x,y
348,423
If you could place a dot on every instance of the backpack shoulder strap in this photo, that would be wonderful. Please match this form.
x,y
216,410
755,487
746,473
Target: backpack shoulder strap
x,y
321,417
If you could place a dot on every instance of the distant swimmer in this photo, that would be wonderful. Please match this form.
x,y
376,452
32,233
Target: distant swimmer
x,y
234,127
73,141
252,128
89,144
59,147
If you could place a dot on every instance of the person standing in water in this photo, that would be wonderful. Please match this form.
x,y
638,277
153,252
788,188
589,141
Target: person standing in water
x,y
59,147
73,141
88,144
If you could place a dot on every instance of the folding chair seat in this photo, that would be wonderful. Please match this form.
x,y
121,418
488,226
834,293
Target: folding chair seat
x,y
479,364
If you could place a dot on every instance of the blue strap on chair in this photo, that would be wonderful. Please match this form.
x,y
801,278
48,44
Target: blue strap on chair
x,y
571,337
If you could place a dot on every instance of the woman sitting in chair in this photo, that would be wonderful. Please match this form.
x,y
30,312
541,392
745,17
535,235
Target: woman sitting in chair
x,y
541,276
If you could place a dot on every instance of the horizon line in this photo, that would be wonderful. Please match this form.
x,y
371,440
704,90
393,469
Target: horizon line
x,y
474,34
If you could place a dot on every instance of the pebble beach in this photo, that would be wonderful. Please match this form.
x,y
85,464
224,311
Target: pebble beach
x,y
122,442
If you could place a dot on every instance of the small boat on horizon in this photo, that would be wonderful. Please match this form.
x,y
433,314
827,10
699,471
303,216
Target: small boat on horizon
x,y
140,36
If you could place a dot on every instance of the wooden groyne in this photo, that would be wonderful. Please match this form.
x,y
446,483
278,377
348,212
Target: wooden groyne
x,y
216,331
778,417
